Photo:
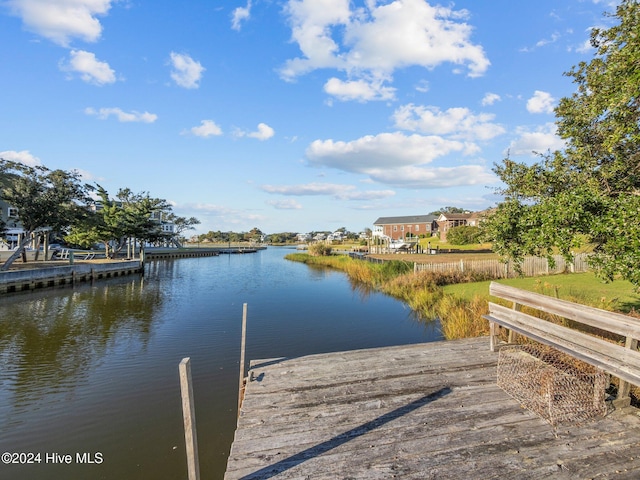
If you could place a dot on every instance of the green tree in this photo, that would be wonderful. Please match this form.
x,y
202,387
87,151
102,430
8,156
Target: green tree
x,y
46,200
463,235
181,225
115,221
590,191
254,235
448,210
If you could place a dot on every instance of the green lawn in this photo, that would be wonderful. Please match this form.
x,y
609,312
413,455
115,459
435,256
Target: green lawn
x,y
583,288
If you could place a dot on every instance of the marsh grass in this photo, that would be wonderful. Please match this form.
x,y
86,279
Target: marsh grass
x,y
421,291
460,318
459,299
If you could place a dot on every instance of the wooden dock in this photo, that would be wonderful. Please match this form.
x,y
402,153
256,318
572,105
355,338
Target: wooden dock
x,y
426,411
35,275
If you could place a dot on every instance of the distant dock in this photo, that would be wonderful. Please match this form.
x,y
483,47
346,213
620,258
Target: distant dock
x,y
194,252
427,411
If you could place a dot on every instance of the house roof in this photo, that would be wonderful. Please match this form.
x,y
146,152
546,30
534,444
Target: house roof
x,y
405,220
454,216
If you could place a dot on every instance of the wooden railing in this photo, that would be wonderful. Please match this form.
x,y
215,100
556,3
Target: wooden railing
x,y
619,359
530,266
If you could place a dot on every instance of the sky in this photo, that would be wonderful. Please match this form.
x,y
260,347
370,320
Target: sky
x,y
289,115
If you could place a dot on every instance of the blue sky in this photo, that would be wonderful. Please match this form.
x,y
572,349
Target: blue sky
x,y
289,115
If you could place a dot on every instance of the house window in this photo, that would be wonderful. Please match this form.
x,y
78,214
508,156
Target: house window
x,y
395,228
402,228
417,228
12,212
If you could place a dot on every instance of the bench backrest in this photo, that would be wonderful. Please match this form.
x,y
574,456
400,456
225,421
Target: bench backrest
x,y
621,361
594,317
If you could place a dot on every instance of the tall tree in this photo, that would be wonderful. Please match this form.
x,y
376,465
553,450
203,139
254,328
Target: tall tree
x,y
128,215
181,224
590,191
46,200
448,209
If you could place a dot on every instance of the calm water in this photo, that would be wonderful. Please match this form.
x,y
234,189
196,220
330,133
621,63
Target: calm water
x,y
94,369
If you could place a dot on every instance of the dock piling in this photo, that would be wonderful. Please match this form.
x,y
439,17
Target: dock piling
x,y
242,349
189,416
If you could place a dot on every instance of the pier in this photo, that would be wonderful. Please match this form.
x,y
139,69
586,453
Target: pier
x,y
426,411
53,275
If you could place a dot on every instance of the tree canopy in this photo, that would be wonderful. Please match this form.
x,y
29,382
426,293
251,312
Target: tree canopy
x,y
45,199
57,201
129,215
589,192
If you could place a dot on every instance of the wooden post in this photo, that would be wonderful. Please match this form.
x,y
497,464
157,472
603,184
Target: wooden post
x,y
623,399
189,416
512,335
242,349
494,336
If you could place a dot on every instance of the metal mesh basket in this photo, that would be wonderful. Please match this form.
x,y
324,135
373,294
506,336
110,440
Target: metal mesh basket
x,y
552,384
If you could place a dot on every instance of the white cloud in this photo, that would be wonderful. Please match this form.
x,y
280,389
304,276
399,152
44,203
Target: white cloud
x,y
546,41
24,156
207,128
541,102
264,132
400,160
585,47
361,90
308,189
422,86
490,99
543,139
386,151
91,70
288,204
368,195
374,41
186,71
338,191
456,123
121,115
87,176
420,177
220,216
239,15
62,20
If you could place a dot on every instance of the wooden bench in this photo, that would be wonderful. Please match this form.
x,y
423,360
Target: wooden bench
x,y
66,254
622,361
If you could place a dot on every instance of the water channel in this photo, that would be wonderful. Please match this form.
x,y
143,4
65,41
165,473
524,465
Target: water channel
x,y
89,375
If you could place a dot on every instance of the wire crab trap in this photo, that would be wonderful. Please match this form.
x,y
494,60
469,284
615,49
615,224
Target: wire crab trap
x,y
557,387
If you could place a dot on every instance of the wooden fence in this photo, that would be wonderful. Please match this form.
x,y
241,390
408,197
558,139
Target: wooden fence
x,y
531,266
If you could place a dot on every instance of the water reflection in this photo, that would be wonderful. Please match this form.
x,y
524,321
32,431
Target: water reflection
x,y
48,344
94,368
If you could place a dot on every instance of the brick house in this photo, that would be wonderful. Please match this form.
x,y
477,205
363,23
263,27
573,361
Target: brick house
x,y
403,227
447,221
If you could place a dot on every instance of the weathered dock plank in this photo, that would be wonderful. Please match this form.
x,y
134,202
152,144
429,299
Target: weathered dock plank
x,y
419,411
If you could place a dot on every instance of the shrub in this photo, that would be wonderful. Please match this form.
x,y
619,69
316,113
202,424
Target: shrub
x,y
463,235
320,250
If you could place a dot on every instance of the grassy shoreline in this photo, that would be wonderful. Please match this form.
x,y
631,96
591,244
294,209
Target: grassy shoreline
x,y
460,299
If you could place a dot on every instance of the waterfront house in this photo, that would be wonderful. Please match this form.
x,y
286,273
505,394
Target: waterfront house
x,y
13,228
447,221
403,227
